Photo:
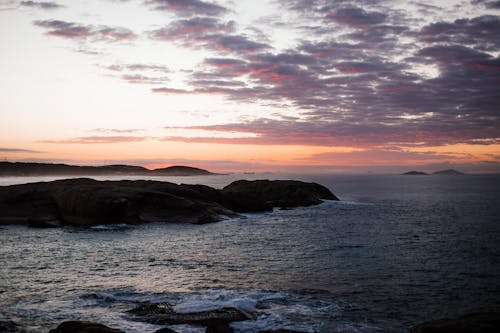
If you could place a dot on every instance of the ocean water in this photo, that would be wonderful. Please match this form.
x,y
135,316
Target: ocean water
x,y
395,251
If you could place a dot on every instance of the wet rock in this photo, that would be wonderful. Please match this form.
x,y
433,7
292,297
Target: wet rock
x,y
165,330
83,327
484,322
282,330
9,326
218,326
263,195
163,314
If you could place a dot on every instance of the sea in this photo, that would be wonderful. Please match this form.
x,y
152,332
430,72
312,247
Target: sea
x,y
395,251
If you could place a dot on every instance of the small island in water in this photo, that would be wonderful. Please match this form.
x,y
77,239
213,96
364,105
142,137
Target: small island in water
x,y
22,169
448,172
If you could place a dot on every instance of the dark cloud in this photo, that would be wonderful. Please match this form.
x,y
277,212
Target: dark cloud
x,y
492,4
41,5
78,31
17,150
482,32
208,33
188,7
356,17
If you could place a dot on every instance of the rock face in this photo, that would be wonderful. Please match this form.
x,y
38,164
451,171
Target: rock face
x,y
163,314
83,327
485,322
85,202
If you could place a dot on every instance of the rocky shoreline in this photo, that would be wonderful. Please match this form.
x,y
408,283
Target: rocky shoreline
x,y
86,202
218,321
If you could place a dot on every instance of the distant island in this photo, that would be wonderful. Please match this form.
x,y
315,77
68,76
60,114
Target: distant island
x,y
48,169
415,173
448,172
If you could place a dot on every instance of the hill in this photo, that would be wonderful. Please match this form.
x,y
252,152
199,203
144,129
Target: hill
x,y
448,172
49,169
415,173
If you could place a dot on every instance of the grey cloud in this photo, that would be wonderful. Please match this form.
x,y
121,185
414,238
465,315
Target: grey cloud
x,y
41,5
188,7
72,30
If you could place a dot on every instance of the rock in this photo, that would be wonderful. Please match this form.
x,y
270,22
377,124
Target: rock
x,y
83,327
86,202
415,173
163,314
263,195
9,326
483,322
281,330
218,326
448,172
165,330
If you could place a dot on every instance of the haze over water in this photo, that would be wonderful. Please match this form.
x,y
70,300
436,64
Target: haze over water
x,y
395,251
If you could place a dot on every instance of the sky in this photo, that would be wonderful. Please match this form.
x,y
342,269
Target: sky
x,y
344,86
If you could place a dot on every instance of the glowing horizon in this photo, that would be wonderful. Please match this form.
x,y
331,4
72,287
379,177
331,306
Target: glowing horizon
x,y
293,86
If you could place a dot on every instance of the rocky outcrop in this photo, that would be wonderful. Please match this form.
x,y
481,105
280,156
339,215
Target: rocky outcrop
x,y
263,195
484,322
85,202
83,327
163,314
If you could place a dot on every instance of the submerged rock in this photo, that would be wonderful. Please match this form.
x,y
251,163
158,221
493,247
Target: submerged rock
x,y
83,327
86,202
483,322
163,313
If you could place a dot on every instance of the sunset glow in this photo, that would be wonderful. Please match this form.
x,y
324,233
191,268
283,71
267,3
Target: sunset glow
x,y
281,85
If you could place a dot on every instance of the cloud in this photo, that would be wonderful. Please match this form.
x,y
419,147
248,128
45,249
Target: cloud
x,y
41,5
98,140
188,7
17,150
356,17
117,130
482,32
492,4
341,133
71,30
208,33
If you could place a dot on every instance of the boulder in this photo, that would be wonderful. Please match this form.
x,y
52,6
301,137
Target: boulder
x,y
83,327
483,322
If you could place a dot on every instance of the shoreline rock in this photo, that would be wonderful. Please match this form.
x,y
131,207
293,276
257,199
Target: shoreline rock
x,y
84,202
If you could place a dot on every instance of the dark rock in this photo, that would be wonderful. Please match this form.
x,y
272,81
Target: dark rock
x,y
415,173
83,327
218,326
45,169
165,330
282,330
9,326
448,172
163,314
86,202
484,322
263,195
